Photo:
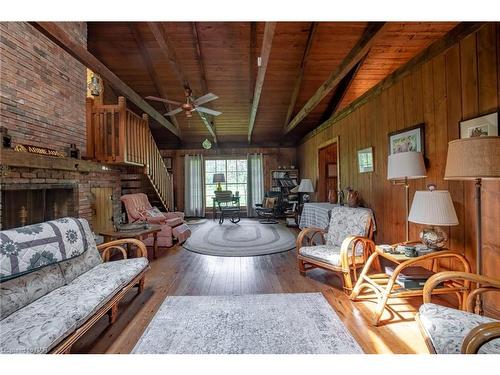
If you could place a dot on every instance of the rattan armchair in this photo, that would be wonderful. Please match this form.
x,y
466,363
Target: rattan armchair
x,y
343,249
447,330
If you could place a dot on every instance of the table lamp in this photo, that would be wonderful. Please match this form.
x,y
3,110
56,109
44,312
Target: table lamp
x,y
433,208
218,178
305,187
402,167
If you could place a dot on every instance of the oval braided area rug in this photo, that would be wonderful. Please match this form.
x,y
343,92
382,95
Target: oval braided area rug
x,y
247,238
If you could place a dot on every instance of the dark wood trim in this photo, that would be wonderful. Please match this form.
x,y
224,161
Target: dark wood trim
x,y
167,51
456,34
341,91
267,43
300,75
148,62
372,32
56,34
207,119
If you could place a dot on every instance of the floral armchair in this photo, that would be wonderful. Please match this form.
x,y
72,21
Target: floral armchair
x,y
450,331
173,226
344,248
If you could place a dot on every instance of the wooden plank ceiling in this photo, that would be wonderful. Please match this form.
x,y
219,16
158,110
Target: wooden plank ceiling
x,y
222,57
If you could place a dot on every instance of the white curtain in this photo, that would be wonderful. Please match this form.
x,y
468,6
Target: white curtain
x,y
194,194
255,182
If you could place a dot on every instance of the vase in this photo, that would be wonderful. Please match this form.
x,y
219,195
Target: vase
x,y
352,198
332,196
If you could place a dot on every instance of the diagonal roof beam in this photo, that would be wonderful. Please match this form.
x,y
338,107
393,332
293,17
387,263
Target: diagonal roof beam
x,y
55,33
341,91
207,119
169,53
267,43
300,76
361,48
146,57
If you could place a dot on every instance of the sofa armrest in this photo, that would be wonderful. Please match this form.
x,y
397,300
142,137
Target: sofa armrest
x,y
307,235
348,251
106,248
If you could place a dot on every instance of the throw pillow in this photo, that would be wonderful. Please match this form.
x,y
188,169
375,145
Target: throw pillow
x,y
154,212
270,202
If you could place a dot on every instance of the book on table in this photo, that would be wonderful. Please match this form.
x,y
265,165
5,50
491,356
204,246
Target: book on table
x,y
411,277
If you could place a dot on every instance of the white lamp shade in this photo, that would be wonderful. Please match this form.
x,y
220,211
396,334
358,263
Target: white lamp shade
x,y
306,186
433,208
406,165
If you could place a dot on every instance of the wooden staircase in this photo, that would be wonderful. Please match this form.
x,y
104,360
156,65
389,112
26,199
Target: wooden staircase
x,y
116,135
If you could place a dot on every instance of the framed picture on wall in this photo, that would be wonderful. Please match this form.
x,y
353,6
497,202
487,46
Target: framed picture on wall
x,y
365,160
409,139
168,162
482,126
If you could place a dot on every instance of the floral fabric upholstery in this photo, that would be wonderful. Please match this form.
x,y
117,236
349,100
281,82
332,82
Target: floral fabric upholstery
x,y
28,248
41,325
447,327
345,222
23,290
324,253
72,268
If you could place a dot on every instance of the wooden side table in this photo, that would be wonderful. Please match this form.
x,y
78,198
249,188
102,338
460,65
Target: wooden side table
x,y
138,234
384,286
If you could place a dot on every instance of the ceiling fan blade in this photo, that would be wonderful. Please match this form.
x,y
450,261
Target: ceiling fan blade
x,y
174,112
208,110
155,98
205,98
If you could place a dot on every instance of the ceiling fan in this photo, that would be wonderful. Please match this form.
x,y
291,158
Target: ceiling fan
x,y
190,105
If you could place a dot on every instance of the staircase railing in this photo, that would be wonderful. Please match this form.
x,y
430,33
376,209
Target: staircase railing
x,y
116,135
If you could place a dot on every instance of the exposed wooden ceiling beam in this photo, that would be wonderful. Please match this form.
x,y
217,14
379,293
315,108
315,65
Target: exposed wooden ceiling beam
x,y
55,33
146,57
259,83
300,76
169,53
355,55
207,119
340,92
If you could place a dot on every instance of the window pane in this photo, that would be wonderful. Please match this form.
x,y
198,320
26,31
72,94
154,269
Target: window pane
x,y
210,166
235,174
221,166
231,177
242,165
231,165
242,177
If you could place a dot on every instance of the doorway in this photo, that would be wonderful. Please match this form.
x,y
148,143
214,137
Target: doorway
x,y
328,169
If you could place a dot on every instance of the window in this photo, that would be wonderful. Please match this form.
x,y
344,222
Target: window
x,y
235,172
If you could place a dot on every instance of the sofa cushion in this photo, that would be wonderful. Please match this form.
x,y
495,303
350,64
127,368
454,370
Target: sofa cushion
x,y
41,325
23,290
28,248
325,253
447,327
174,222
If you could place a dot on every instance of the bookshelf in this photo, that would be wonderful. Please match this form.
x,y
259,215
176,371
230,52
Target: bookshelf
x,y
284,180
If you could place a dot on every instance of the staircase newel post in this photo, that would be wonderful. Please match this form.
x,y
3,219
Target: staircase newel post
x,y
122,118
89,104
144,145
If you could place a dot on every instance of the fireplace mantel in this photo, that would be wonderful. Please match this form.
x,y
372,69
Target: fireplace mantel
x,y
13,158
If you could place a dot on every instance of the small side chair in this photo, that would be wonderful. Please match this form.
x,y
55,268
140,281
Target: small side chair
x,y
343,249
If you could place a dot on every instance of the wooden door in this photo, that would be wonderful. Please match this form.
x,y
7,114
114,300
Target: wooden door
x,y
102,209
328,171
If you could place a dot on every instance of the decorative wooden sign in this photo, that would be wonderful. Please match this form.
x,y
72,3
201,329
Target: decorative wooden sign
x,y
39,150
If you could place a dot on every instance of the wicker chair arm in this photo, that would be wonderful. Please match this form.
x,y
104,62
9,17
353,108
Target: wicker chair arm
x,y
350,243
308,234
479,336
487,283
108,246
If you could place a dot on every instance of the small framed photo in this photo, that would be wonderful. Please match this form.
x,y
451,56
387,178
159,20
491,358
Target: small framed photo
x,y
168,162
331,170
482,126
409,139
365,160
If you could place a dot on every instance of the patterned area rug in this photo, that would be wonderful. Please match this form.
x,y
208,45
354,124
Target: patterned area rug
x,y
247,238
302,323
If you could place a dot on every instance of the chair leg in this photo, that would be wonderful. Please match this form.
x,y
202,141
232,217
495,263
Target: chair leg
x,y
347,282
302,268
141,285
113,313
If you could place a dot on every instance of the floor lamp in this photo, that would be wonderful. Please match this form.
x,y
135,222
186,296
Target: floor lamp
x,y
402,167
475,158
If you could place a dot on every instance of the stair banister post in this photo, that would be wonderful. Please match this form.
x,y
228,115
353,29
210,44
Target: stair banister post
x,y
89,104
122,117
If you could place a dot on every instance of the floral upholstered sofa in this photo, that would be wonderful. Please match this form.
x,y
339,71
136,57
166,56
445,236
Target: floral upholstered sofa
x,y
54,284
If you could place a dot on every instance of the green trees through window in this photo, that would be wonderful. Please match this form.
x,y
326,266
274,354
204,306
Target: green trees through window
x,y
235,173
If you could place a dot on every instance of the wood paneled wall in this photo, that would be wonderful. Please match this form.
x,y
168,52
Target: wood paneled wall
x,y
460,83
273,158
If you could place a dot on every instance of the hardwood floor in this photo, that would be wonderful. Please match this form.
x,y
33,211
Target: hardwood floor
x,y
180,272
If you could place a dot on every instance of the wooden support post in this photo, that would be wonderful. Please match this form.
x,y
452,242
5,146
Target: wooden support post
x,y
89,104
